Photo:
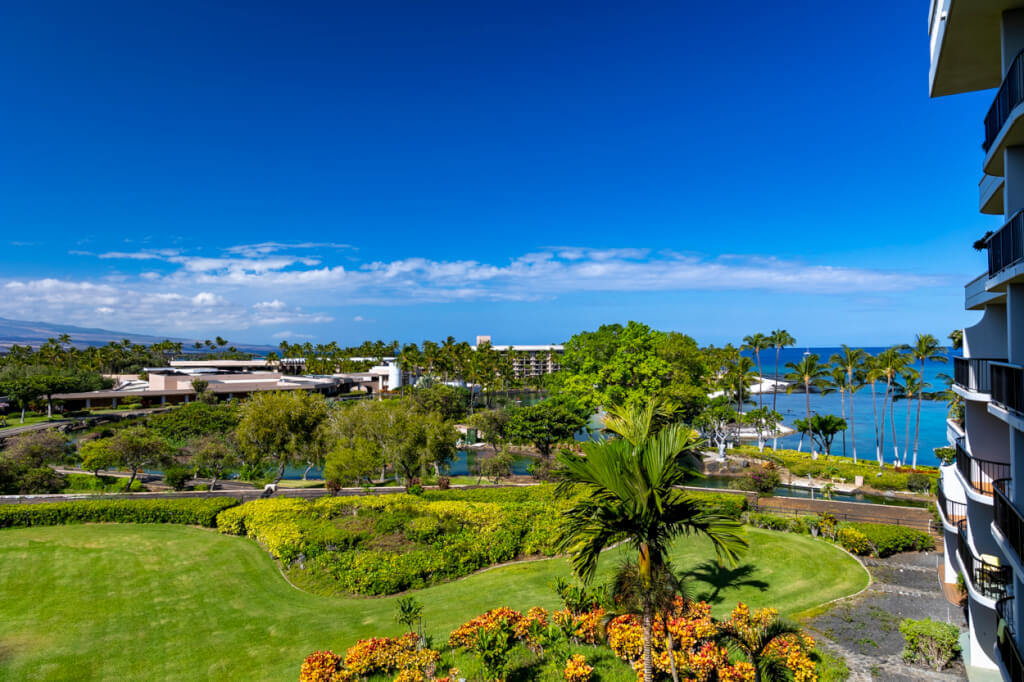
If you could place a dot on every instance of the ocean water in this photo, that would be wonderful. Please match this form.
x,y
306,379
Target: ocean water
x,y
933,412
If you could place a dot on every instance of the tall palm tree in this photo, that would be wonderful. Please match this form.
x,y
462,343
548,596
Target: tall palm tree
x,y
757,343
926,348
852,362
779,338
836,381
756,644
740,376
888,365
807,372
913,385
631,496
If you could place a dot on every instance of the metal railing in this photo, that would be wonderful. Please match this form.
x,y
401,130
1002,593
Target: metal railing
x,y
974,374
952,512
988,579
1007,387
1008,519
1007,644
1010,94
1006,246
979,473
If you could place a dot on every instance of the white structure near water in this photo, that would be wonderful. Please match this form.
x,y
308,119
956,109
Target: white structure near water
x,y
976,45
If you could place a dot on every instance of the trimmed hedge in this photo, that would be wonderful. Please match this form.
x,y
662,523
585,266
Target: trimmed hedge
x,y
201,512
887,540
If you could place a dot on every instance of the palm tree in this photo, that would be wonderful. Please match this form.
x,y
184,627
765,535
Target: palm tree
x,y
756,643
757,343
888,365
836,381
808,371
926,348
628,593
912,385
740,376
779,338
852,362
631,495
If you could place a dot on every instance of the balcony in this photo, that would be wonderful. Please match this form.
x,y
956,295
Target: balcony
x,y
973,374
976,296
1007,386
952,512
987,579
1007,519
990,194
1013,662
979,473
1003,122
1006,246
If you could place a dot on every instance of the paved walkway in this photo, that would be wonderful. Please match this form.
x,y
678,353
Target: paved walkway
x,y
864,629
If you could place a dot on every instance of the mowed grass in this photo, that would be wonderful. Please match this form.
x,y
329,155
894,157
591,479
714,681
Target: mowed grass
x,y
155,602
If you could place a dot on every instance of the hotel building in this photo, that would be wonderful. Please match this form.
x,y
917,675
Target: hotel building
x,y
978,45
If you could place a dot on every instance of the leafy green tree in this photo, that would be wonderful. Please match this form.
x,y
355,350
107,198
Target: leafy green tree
x,y
214,455
715,423
450,403
824,428
275,426
37,448
193,420
351,461
630,494
96,455
497,466
136,447
764,422
491,425
545,424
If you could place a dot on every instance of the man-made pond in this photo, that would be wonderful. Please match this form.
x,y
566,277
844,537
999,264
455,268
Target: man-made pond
x,y
720,482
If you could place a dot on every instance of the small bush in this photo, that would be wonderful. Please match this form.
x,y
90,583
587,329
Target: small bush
x,y
731,505
930,642
887,540
919,483
759,479
852,540
177,477
188,512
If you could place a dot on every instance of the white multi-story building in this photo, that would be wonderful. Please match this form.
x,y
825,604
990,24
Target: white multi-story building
x,y
976,45
530,360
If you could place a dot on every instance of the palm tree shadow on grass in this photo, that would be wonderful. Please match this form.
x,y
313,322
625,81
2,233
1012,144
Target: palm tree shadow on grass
x,y
721,577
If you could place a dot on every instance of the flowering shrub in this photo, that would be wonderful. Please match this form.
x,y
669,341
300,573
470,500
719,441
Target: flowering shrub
x,y
582,628
853,540
324,666
465,636
577,670
385,654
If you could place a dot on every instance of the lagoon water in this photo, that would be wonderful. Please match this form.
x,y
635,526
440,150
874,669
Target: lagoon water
x,y
933,412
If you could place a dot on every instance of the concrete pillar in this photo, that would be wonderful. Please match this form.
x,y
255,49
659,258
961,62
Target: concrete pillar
x,y
1013,190
163,401
113,403
88,403
1011,34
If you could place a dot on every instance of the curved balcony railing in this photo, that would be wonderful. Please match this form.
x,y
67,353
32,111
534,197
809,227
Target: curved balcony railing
x,y
952,512
988,579
1008,519
1010,94
1007,645
1006,246
979,473
1007,387
974,374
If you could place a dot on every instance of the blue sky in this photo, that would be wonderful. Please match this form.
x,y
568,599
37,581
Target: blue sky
x,y
413,170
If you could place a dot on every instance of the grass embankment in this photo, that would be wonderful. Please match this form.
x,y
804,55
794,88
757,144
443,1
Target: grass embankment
x,y
843,468
144,602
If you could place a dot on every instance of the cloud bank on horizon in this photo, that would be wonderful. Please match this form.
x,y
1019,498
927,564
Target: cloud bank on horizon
x,y
272,284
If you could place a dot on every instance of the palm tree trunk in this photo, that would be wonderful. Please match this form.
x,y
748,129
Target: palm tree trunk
x,y
807,400
775,393
881,432
874,409
906,446
671,651
760,381
853,432
892,428
842,410
917,427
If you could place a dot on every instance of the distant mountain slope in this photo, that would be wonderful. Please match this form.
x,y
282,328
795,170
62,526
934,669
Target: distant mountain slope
x,y
36,333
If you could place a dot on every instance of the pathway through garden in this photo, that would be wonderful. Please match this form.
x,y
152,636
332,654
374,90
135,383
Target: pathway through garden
x,y
864,629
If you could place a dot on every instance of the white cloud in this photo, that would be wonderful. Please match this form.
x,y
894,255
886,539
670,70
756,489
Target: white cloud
x,y
260,285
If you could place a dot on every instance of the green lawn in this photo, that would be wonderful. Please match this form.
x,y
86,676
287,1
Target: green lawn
x,y
148,602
